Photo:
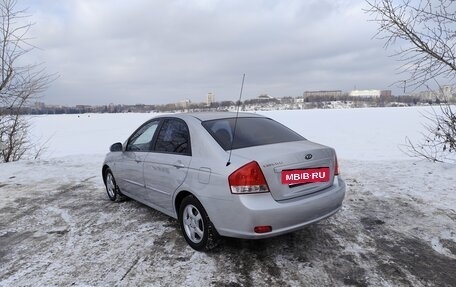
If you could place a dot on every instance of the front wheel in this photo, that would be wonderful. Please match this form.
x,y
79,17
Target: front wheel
x,y
112,189
196,227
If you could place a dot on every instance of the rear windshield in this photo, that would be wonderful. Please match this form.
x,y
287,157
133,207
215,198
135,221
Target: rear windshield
x,y
249,132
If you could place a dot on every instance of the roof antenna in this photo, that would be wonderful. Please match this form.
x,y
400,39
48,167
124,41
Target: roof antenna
x,y
235,120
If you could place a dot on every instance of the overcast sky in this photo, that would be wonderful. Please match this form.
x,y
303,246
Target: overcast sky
x,y
155,52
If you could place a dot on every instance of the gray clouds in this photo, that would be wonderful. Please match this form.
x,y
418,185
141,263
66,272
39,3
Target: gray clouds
x,y
155,52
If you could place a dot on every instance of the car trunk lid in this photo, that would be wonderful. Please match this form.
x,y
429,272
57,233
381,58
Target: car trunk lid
x,y
311,162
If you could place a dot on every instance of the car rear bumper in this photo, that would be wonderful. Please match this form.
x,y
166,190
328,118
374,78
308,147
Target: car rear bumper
x,y
247,211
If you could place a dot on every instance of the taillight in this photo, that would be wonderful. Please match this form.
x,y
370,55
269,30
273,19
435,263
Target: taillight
x,y
336,167
248,179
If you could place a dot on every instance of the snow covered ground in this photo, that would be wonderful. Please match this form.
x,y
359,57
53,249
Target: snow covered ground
x,y
368,133
397,226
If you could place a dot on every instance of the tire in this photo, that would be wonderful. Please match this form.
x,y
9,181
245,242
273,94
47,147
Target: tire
x,y
112,189
196,226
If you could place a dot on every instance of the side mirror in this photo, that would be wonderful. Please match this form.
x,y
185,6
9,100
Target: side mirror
x,y
116,147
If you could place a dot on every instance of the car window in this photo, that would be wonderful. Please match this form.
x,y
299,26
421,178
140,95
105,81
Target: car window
x,y
142,138
173,137
249,132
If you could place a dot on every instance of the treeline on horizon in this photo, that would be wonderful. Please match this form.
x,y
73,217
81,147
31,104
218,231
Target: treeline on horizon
x,y
311,102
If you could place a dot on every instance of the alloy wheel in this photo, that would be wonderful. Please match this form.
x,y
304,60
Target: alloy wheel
x,y
193,223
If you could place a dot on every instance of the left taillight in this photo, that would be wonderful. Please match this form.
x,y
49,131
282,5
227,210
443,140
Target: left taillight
x,y
248,179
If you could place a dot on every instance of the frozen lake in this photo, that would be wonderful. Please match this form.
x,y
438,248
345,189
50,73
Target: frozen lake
x,y
368,133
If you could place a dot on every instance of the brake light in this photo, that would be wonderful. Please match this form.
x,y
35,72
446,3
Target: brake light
x,y
336,167
248,179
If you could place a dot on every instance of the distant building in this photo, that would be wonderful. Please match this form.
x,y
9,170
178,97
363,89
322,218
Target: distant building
x,y
426,95
184,104
331,93
265,97
365,93
40,105
385,93
210,99
447,91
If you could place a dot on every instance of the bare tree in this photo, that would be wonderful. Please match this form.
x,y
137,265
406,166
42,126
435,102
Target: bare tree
x,y
439,137
425,32
20,83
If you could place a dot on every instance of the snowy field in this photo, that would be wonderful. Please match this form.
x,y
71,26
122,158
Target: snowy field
x,y
368,134
397,226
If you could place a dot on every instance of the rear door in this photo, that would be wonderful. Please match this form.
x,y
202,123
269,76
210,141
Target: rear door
x,y
166,167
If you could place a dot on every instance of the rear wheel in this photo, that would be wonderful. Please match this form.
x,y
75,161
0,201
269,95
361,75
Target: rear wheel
x,y
196,227
112,189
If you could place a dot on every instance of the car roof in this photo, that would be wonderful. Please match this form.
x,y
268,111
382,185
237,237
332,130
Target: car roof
x,y
206,116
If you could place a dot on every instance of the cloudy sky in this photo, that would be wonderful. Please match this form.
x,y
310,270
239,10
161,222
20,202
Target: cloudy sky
x,y
155,52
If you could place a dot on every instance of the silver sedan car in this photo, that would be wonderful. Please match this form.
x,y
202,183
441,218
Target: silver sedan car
x,y
223,174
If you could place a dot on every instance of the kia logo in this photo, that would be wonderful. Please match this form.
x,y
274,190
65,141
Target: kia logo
x,y
308,156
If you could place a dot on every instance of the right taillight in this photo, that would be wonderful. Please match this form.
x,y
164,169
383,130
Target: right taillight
x,y
336,167
248,179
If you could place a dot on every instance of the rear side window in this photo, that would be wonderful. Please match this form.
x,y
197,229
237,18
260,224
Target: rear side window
x,y
249,132
173,137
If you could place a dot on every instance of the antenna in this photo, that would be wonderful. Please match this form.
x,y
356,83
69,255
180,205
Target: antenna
x,y
235,120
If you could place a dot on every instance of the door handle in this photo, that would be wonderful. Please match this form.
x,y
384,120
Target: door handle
x,y
178,165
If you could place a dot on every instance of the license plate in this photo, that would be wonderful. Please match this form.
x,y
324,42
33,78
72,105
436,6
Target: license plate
x,y
297,176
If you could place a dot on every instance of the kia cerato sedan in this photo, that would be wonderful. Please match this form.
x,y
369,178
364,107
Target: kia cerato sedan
x,y
219,174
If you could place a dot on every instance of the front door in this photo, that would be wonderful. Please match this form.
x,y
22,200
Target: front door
x,y
132,167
